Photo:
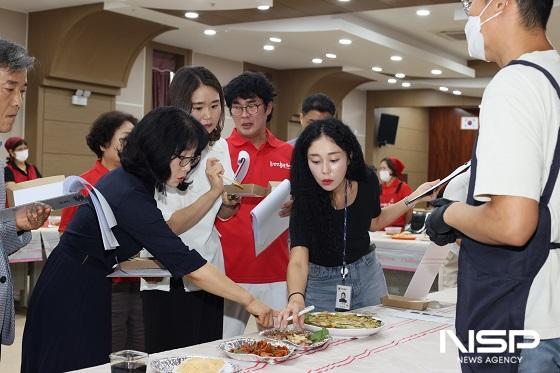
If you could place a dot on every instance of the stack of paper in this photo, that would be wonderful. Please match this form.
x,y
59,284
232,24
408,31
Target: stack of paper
x,y
105,216
267,224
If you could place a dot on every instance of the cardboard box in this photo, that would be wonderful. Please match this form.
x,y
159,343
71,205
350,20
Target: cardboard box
x,y
34,190
250,190
402,302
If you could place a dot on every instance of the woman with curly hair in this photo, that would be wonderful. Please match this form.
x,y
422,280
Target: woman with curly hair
x,y
336,204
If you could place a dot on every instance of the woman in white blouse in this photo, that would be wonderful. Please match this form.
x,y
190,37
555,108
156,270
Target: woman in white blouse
x,y
177,313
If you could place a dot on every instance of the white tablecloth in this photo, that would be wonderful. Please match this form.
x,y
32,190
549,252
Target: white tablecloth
x,y
400,255
404,345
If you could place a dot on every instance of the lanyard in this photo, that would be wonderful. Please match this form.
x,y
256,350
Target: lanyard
x,y
344,270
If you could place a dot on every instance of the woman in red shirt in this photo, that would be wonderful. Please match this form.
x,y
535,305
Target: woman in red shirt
x,y
17,169
105,139
392,188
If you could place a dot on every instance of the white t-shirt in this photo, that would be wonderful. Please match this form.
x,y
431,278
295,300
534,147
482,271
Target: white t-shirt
x,y
203,236
519,121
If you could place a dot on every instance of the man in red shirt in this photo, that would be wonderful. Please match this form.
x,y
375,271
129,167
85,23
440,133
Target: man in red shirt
x,y
249,97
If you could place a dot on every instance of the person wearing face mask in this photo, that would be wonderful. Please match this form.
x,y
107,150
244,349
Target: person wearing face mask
x,y
17,169
336,204
393,189
509,262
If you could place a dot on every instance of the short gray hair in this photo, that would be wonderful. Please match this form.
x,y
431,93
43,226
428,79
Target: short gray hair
x,y
14,57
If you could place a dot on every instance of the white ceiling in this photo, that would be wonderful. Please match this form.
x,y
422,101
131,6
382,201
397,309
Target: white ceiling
x,y
376,36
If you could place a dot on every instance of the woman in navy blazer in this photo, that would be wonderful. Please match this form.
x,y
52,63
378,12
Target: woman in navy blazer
x,y
69,318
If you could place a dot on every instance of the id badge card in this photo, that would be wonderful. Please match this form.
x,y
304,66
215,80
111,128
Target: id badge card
x,y
343,297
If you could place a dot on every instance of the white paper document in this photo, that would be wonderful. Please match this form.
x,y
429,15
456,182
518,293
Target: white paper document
x,y
267,224
104,213
427,270
459,170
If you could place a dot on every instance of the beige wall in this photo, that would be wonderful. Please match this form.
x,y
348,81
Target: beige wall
x,y
13,26
131,99
411,145
225,70
354,114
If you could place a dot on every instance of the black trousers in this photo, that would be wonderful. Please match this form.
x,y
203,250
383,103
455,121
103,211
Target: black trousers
x,y
178,318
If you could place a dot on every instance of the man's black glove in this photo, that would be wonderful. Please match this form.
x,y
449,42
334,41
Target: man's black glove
x,y
436,228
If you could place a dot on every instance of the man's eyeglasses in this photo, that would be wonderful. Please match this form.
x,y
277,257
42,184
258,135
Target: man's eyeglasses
x,y
185,161
466,5
252,109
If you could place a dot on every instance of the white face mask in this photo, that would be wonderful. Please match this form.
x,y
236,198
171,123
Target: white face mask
x,y
475,39
384,175
22,155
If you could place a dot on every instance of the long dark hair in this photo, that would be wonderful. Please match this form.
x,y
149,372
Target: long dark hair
x,y
309,198
162,135
187,80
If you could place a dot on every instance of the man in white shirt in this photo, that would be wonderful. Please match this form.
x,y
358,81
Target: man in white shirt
x,y
510,254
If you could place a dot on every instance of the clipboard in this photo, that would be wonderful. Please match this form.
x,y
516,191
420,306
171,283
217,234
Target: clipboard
x,y
458,171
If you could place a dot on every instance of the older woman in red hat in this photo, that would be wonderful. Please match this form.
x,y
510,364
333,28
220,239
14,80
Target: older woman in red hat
x,y
17,169
393,189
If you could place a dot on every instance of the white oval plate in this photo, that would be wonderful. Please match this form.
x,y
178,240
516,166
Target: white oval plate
x,y
348,332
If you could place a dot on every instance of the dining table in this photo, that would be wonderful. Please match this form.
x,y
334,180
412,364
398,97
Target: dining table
x,y
409,341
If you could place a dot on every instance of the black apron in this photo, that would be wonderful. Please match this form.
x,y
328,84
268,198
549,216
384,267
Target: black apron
x,y
494,281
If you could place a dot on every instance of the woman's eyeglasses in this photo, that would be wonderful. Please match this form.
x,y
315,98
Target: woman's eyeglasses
x,y
466,5
185,161
252,109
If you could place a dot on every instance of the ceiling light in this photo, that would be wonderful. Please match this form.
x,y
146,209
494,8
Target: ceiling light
x,y
343,1
392,81
317,60
209,32
268,47
436,72
191,15
400,75
423,12
406,84
330,55
457,93
396,58
263,7
345,41
377,69
443,89
275,39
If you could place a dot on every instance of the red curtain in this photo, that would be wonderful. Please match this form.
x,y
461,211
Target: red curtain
x,y
163,65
